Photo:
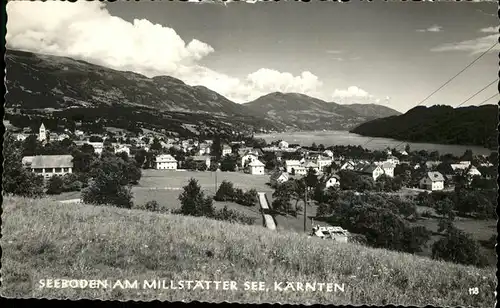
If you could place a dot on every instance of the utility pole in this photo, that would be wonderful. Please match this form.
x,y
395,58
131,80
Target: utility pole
x,y
305,210
215,188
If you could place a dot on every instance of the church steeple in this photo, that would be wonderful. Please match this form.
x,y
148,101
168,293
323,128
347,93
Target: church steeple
x,y
42,133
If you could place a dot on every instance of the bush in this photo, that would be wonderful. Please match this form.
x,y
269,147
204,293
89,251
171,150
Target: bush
x,y
233,216
458,247
152,206
55,185
71,182
225,192
194,202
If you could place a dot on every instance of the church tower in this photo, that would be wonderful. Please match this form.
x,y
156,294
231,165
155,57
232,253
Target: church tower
x,y
42,133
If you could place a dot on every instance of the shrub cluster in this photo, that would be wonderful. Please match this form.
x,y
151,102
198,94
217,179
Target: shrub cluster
x,y
227,192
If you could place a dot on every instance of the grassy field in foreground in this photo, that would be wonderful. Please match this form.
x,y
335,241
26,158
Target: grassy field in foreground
x,y
46,239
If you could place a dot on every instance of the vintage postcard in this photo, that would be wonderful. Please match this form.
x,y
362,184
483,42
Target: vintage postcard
x,y
251,152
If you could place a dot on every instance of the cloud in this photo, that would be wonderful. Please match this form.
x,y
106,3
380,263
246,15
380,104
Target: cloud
x,y
474,46
351,92
434,28
490,30
87,31
268,80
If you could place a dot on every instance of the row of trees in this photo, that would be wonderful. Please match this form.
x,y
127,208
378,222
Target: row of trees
x,y
227,192
195,203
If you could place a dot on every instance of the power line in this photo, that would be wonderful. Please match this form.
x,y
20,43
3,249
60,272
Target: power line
x,y
468,99
447,82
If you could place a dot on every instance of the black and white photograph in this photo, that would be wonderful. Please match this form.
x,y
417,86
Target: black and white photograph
x,y
282,152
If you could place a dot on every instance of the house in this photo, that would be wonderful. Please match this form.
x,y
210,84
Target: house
x,y
21,137
337,234
165,161
202,158
473,172
248,157
49,165
279,177
323,162
311,165
432,181
291,165
393,160
403,152
122,148
256,167
226,150
348,165
283,144
370,169
61,137
299,170
388,168
459,166
332,181
328,153
432,163
42,133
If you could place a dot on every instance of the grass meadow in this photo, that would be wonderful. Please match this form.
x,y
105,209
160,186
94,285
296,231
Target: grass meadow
x,y
46,239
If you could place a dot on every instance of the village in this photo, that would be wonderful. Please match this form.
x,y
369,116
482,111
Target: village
x,y
167,164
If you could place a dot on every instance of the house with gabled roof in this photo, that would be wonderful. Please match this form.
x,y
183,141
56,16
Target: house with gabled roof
x,y
279,177
433,180
165,162
370,169
49,165
256,167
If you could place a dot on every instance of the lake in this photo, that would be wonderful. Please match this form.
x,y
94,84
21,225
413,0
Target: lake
x,y
328,138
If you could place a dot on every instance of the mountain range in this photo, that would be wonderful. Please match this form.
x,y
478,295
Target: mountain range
x,y
303,112
45,82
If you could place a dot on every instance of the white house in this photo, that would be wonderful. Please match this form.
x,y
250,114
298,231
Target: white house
x,y
432,181
300,170
311,165
283,144
332,181
393,160
291,165
348,165
165,161
248,158
279,177
373,170
323,162
122,148
403,152
388,168
256,167
473,172
98,146
226,150
328,153
42,133
49,165
21,137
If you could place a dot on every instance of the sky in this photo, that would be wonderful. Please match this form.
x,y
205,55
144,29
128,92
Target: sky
x,y
389,53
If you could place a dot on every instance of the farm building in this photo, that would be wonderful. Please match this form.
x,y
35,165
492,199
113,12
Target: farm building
x,y
49,165
432,181
256,167
165,161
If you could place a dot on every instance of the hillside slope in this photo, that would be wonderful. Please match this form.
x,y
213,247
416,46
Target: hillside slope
x,y
373,110
303,112
43,239
37,81
438,124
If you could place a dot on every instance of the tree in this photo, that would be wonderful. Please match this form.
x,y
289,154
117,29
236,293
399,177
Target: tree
x,y
458,247
156,145
282,195
140,157
388,184
16,179
467,156
225,192
445,208
407,148
108,185
194,202
228,163
55,185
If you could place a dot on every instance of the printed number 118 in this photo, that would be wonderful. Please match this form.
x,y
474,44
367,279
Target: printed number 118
x,y
474,291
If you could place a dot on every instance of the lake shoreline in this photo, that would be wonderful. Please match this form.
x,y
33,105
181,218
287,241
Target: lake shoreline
x,y
338,137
